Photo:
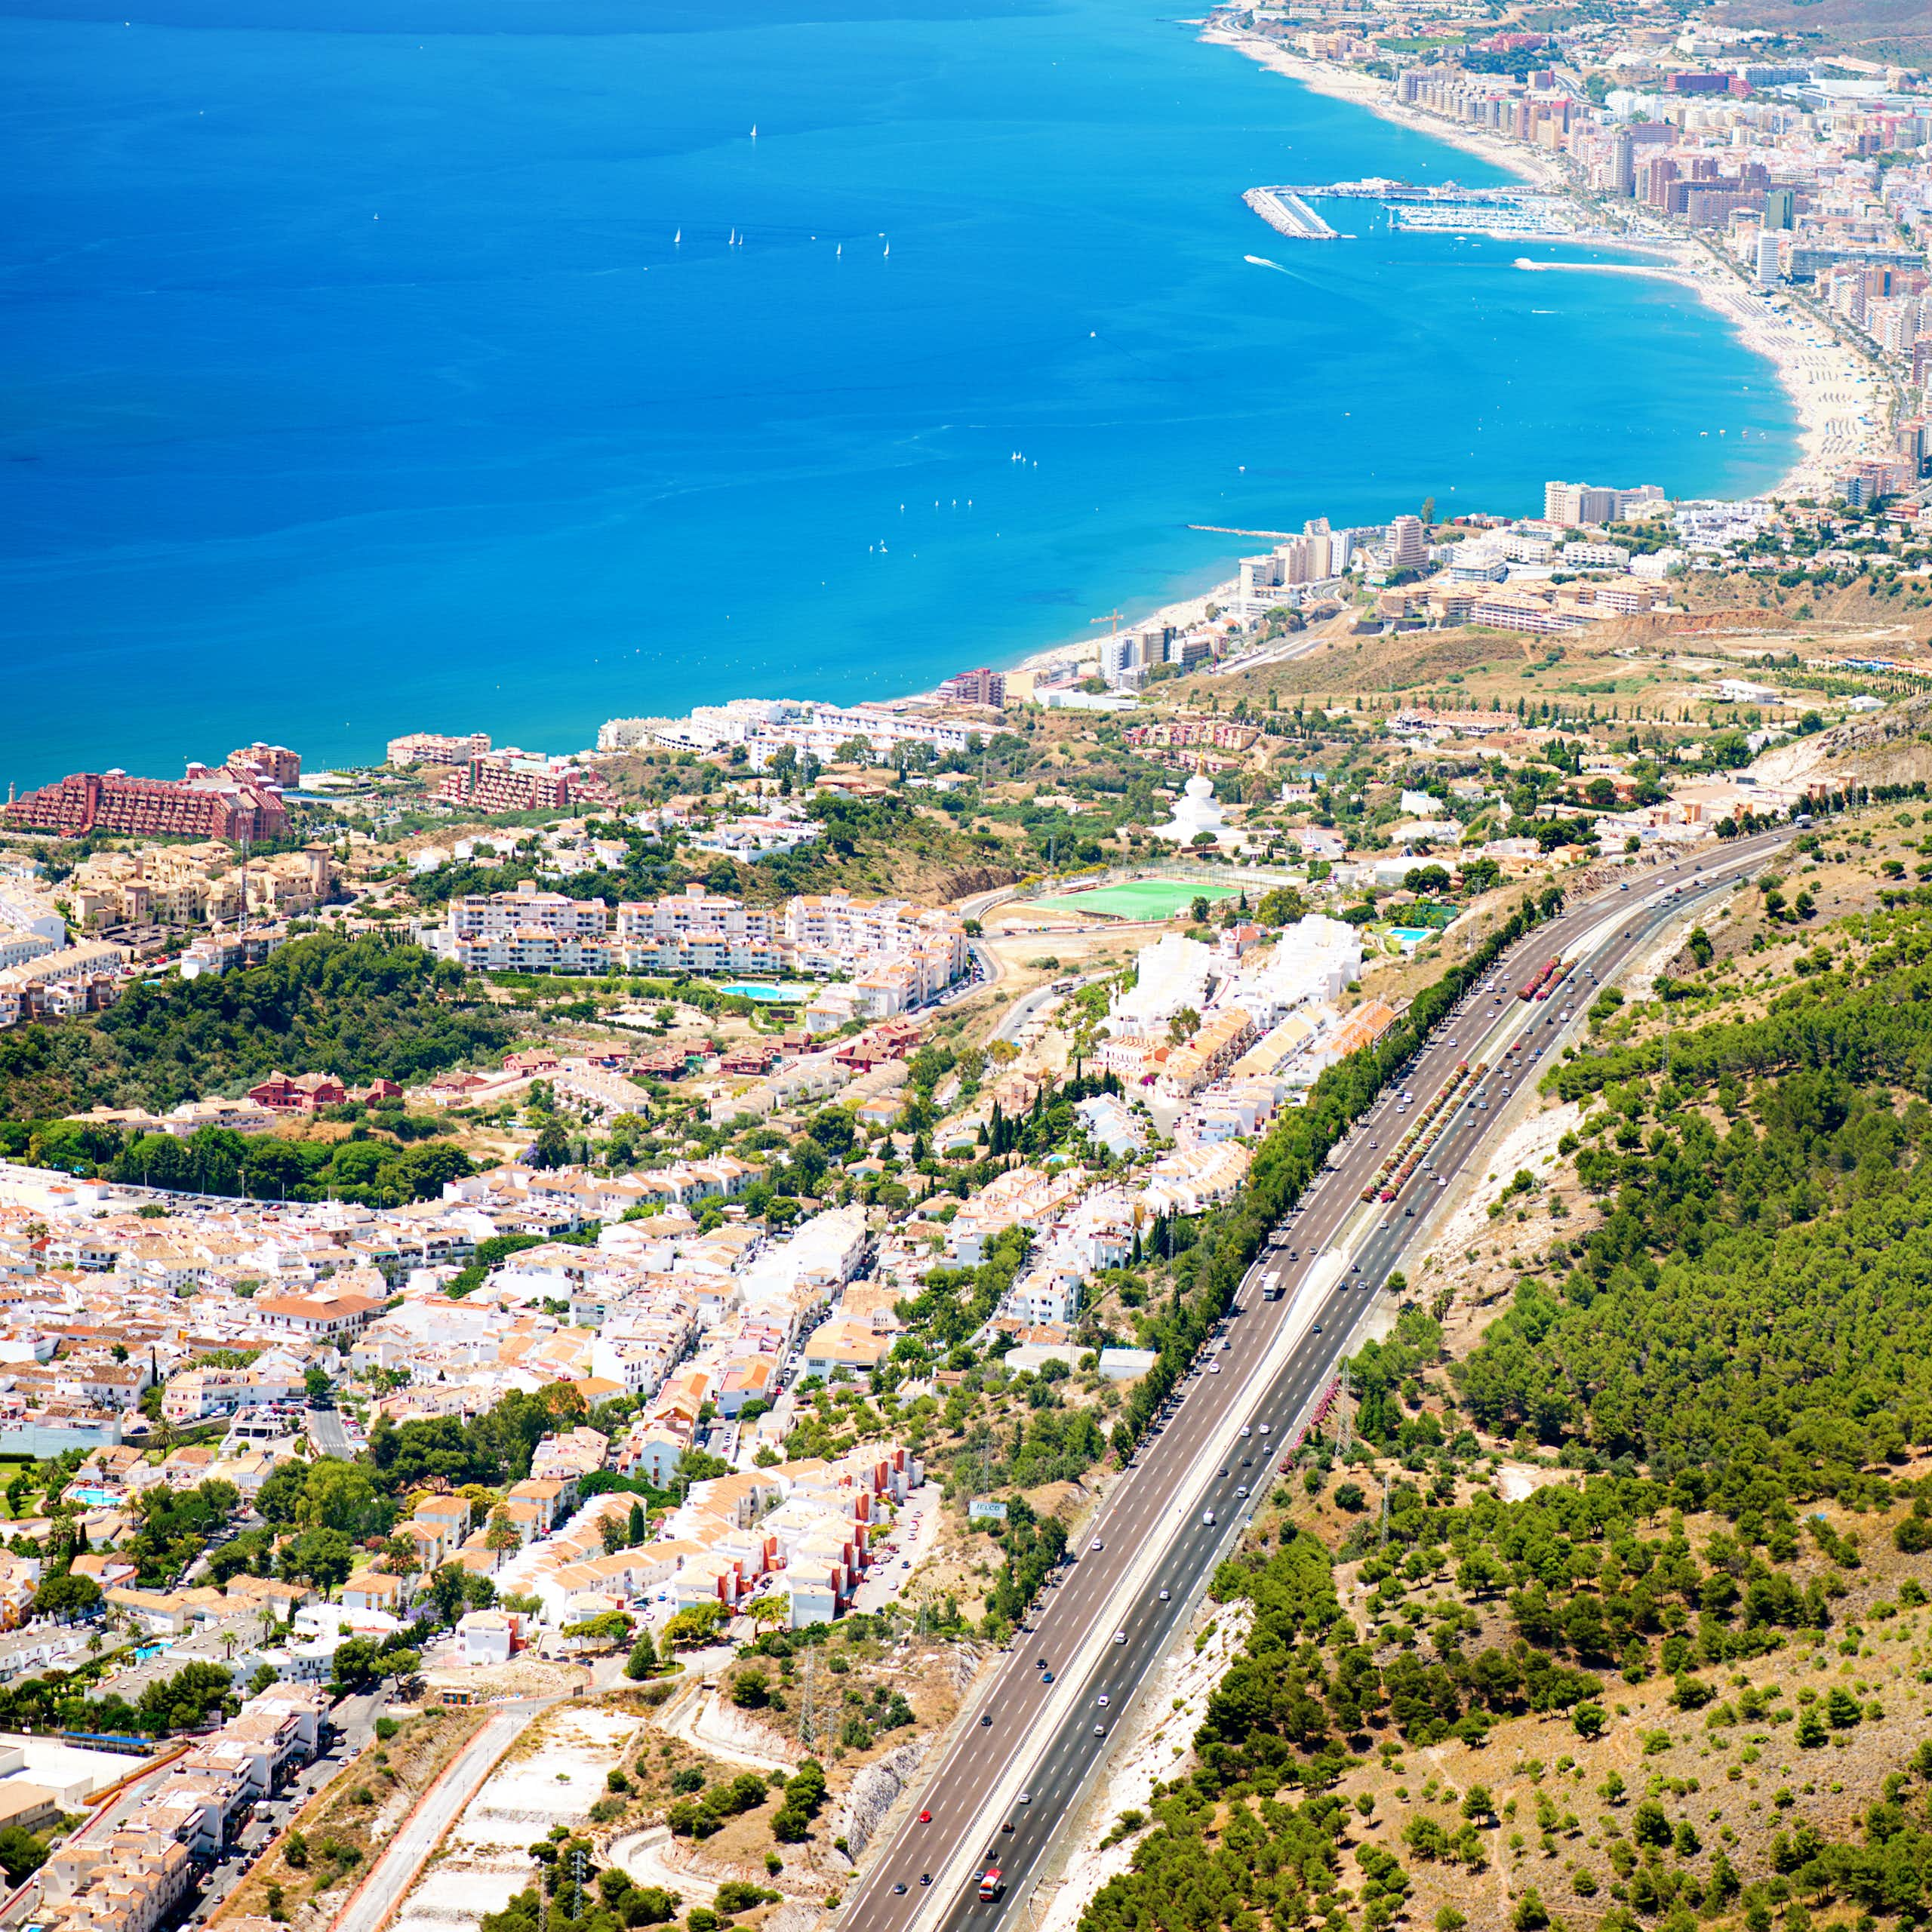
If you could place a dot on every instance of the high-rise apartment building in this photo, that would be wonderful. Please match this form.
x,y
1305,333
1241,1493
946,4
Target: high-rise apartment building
x,y
1408,543
1570,503
978,686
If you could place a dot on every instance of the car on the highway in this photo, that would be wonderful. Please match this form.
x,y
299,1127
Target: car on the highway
x,y
1025,1797
898,1889
1100,1731
1096,1544
1213,1368
925,1817
1102,1700
1240,1489
1165,1596
1046,1677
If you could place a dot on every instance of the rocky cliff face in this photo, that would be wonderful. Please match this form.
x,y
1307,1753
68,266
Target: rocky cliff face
x,y
874,1792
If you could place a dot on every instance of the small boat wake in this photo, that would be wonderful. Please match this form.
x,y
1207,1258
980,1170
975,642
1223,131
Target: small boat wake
x,y
1262,262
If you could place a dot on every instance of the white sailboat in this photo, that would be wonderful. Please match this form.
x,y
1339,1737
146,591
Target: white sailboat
x,y
677,240
754,130
888,248
731,241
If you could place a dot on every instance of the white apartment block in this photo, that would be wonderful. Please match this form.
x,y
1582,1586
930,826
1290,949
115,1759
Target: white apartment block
x,y
530,950
697,932
765,726
836,933
898,954
489,915
1595,556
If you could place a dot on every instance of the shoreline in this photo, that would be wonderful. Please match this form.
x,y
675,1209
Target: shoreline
x,y
1828,385
1836,398
1376,98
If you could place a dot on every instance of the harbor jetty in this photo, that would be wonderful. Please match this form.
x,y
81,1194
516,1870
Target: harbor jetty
x,y
1284,210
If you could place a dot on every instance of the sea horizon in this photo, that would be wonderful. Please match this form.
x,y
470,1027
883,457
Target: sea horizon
x,y
486,374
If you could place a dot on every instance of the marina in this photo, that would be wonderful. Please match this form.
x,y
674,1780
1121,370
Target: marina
x,y
1512,213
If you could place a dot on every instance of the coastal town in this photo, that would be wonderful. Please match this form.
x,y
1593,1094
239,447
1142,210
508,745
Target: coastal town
x,y
1783,179
697,1193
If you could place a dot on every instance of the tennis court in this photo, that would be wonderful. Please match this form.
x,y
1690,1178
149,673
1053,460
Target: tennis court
x,y
1140,899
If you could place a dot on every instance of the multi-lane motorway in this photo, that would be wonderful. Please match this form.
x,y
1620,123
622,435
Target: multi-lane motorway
x,y
1020,1758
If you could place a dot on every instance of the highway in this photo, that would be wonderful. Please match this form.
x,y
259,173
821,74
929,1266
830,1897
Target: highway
x,y
1024,1751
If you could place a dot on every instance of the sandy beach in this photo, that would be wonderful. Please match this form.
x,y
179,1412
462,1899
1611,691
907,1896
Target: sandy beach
x,y
1840,401
1363,91
1183,614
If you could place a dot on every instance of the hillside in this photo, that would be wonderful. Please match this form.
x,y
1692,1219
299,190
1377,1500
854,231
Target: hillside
x,y
360,1008
1614,1613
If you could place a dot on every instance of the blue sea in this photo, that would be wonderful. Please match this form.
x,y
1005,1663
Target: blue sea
x,y
370,367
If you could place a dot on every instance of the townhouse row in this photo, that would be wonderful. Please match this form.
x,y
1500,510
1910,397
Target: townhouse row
x,y
138,1877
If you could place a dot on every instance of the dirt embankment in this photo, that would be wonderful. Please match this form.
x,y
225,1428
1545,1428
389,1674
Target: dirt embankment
x,y
335,1837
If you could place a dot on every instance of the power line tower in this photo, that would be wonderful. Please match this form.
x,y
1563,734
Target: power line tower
x,y
808,1704
1344,1433
1383,1537
576,1878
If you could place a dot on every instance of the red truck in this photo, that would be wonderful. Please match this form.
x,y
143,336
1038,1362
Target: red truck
x,y
991,1884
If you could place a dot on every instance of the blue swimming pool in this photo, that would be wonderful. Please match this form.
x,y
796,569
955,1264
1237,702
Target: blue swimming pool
x,y
771,995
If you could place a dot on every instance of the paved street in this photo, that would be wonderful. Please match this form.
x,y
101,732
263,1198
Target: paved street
x,y
390,1878
328,1432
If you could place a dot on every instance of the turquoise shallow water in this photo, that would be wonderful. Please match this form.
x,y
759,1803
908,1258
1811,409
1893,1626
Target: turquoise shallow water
x,y
353,382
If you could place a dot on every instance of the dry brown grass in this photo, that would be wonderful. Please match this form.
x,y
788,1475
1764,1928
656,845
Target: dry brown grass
x,y
1738,1785
394,1774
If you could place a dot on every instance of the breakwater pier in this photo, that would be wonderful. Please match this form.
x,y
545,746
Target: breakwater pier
x,y
1284,210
